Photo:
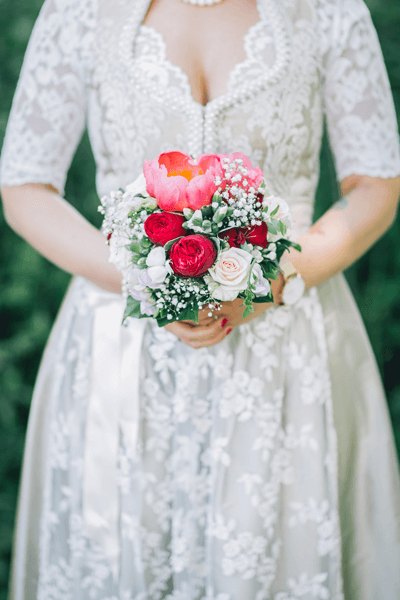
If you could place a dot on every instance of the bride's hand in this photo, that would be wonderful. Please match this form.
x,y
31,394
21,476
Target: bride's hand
x,y
212,330
209,330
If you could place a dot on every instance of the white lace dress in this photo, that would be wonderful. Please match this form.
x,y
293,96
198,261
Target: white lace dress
x,y
262,468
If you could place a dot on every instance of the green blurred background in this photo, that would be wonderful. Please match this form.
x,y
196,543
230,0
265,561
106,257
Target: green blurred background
x,y
31,288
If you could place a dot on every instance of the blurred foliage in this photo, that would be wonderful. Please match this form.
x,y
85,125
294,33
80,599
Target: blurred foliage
x,y
32,288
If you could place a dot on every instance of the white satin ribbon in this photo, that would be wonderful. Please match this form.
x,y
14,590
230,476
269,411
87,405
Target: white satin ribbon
x,y
113,407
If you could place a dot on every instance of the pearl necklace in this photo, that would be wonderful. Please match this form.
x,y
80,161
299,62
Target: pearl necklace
x,y
202,2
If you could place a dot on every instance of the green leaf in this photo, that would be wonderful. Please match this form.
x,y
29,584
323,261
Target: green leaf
x,y
189,313
145,242
197,222
270,269
282,228
247,311
207,211
135,248
132,308
217,198
169,244
263,299
273,213
217,242
272,229
162,320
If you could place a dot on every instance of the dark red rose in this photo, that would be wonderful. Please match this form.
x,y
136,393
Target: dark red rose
x,y
163,227
193,255
230,236
256,235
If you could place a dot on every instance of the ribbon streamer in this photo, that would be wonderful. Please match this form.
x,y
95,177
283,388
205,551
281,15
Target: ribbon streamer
x,y
113,406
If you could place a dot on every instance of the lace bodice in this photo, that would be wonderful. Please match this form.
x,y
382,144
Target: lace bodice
x,y
95,59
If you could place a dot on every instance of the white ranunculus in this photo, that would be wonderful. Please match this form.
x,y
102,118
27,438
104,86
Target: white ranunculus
x,y
158,273
262,284
138,186
131,202
159,267
230,273
156,257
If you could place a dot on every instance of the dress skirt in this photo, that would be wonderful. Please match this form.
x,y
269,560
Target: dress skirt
x,y
261,468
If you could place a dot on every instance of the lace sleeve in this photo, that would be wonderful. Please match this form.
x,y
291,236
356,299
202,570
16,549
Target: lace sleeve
x,y
359,107
48,113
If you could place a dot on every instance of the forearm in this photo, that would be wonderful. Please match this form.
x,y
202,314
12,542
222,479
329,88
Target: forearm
x,y
348,229
60,233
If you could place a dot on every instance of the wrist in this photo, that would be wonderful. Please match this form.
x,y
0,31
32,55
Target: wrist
x,y
277,286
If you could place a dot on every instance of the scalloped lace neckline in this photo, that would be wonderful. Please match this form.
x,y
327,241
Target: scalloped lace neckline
x,y
183,76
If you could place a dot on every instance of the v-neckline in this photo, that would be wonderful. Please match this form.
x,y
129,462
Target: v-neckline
x,y
268,12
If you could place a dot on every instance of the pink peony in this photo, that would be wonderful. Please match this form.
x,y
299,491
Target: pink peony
x,y
177,182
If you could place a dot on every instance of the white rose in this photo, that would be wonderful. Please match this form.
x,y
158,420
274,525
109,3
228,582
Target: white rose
x,y
230,272
283,213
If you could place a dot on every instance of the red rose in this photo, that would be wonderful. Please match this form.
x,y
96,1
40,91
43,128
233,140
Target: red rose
x,y
193,255
163,227
256,235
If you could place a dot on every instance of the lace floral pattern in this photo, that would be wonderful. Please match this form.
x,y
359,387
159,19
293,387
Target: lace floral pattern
x,y
237,459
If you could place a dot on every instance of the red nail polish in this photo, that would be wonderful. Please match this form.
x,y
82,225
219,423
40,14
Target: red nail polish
x,y
228,330
224,322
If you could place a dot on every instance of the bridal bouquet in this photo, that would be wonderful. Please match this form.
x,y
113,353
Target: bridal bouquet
x,y
189,234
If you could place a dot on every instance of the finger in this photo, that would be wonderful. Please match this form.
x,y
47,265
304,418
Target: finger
x,y
200,333
210,342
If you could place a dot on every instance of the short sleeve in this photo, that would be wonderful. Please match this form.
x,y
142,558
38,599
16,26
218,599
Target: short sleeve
x,y
48,113
359,107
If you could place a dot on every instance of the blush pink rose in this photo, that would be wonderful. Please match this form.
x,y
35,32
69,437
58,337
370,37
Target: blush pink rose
x,y
176,181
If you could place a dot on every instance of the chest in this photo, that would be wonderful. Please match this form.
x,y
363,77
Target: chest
x,y
204,42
